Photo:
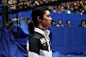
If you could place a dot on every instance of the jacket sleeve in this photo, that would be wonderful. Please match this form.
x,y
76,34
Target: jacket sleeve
x,y
34,47
32,54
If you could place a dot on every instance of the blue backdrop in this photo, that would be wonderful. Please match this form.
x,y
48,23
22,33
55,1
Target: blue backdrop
x,y
74,18
68,39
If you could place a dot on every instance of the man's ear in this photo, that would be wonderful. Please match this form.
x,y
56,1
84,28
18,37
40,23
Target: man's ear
x,y
38,18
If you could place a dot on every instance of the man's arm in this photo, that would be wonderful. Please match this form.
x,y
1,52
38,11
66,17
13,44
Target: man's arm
x,y
34,47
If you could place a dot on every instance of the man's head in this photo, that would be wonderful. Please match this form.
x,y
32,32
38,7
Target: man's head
x,y
53,23
68,22
83,22
41,16
28,20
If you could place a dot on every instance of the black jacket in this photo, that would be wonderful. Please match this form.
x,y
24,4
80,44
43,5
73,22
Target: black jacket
x,y
39,43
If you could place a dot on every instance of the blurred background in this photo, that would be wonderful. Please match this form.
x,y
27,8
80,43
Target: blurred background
x,y
68,26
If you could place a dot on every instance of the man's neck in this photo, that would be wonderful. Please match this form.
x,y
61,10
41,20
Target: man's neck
x,y
42,27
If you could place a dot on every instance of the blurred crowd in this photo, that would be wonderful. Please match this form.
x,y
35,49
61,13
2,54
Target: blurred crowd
x,y
68,23
72,7
29,3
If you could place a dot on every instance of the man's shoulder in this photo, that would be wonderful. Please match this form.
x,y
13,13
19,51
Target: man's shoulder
x,y
80,25
37,35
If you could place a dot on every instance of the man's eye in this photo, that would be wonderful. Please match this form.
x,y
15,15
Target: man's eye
x,y
48,16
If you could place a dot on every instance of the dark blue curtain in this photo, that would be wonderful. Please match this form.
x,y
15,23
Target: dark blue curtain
x,y
10,48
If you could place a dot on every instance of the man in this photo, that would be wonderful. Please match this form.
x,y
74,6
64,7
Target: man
x,y
53,23
30,25
28,20
82,23
39,42
68,23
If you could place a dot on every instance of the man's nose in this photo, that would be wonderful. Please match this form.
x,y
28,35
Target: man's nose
x,y
50,18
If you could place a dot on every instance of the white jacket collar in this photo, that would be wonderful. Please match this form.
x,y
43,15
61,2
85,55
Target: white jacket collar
x,y
45,33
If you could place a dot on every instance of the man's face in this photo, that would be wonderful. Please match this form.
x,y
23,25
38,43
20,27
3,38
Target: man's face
x,y
53,23
68,22
29,21
46,19
83,22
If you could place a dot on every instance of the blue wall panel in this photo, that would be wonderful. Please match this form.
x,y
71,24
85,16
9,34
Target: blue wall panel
x,y
74,18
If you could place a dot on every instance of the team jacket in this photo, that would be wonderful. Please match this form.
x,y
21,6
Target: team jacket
x,y
39,44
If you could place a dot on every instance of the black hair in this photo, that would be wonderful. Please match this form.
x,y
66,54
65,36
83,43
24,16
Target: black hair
x,y
39,11
52,22
82,21
28,18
